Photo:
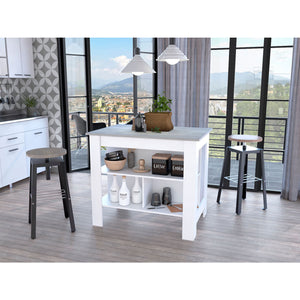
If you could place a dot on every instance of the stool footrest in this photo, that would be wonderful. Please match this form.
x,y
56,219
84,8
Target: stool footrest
x,y
246,179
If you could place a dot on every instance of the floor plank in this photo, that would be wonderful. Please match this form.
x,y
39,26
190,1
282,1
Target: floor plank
x,y
254,236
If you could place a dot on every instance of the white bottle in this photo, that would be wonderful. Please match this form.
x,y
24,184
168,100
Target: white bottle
x,y
114,190
124,193
136,192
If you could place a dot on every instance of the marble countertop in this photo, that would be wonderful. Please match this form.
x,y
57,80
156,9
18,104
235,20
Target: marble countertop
x,y
178,133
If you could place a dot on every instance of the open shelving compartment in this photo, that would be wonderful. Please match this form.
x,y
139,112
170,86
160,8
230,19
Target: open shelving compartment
x,y
150,183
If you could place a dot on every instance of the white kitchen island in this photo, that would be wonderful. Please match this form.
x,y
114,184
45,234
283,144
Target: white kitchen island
x,y
191,190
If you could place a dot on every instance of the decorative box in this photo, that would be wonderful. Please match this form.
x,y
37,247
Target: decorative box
x,y
161,163
177,165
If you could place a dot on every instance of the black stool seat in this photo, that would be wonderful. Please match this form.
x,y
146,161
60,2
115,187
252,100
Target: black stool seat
x,y
243,178
48,157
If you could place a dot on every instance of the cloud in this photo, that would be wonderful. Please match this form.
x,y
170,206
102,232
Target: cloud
x,y
121,60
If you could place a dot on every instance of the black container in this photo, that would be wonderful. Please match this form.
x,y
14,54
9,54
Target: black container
x,y
167,196
155,200
161,163
115,155
177,166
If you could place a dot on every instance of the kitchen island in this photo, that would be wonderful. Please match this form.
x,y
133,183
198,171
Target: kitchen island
x,y
190,190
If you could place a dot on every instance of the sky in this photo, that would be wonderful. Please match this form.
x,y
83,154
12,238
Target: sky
x,y
108,57
251,60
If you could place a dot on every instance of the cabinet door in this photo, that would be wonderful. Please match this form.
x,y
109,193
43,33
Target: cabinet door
x,y
13,164
14,58
38,138
27,57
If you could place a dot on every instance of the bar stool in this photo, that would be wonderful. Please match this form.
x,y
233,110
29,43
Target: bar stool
x,y
48,157
242,178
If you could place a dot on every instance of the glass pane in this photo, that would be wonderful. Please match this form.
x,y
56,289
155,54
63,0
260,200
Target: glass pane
x,y
145,85
219,73
248,73
148,58
145,44
219,42
75,46
277,109
144,104
250,42
282,42
78,139
112,91
76,76
280,73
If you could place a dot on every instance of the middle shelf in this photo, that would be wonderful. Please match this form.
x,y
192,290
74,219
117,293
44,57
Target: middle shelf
x,y
130,172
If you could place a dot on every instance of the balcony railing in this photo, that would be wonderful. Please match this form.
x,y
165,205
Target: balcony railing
x,y
275,131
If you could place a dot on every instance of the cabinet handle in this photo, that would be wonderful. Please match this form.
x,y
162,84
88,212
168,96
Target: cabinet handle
x,y
38,132
18,74
15,149
14,138
27,74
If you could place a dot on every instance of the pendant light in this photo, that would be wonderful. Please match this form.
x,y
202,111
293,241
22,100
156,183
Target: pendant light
x,y
137,66
172,54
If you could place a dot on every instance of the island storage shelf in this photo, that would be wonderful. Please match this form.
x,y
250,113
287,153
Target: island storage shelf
x,y
131,173
139,208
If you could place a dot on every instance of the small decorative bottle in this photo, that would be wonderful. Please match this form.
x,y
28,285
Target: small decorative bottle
x,y
136,192
114,190
124,193
131,158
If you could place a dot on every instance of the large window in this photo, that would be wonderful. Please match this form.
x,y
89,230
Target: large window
x,y
249,94
94,90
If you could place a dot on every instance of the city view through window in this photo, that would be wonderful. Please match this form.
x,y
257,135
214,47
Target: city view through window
x,y
112,91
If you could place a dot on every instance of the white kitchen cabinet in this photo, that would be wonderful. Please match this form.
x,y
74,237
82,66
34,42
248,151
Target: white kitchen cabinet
x,y
27,57
20,57
17,137
3,59
13,163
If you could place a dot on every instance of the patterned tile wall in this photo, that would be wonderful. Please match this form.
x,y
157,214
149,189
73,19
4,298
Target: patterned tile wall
x,y
44,86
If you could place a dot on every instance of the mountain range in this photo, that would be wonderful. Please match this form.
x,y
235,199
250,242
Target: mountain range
x,y
218,83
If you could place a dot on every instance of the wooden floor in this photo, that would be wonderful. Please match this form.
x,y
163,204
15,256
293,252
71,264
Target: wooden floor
x,y
254,236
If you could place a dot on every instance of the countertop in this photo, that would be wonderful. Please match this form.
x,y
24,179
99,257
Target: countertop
x,y
178,133
17,118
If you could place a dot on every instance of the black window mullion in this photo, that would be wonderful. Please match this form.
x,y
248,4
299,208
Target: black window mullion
x,y
135,104
263,105
230,98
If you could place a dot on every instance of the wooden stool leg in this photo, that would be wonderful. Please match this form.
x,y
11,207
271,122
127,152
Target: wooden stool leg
x,y
263,175
30,194
240,184
63,189
245,174
69,203
223,173
33,202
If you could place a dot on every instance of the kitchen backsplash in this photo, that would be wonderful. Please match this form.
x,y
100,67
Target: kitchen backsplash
x,y
44,86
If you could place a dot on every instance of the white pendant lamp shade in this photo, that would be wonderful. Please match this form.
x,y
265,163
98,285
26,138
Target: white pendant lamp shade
x,y
137,66
172,54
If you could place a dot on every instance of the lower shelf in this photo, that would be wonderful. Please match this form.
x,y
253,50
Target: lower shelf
x,y
138,207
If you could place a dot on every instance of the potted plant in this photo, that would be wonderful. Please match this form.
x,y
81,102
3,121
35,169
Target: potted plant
x,y
30,103
159,118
